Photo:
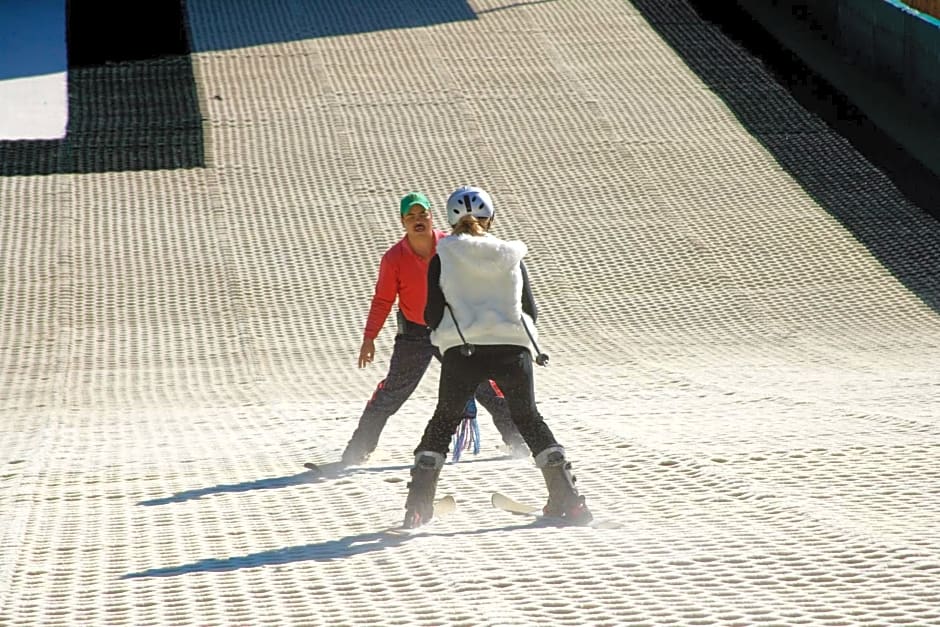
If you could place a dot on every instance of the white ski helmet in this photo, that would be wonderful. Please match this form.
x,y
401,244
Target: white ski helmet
x,y
467,199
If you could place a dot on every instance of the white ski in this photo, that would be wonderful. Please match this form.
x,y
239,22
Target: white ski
x,y
503,502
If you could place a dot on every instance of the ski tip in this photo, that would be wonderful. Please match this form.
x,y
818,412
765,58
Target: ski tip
x,y
445,505
501,501
325,470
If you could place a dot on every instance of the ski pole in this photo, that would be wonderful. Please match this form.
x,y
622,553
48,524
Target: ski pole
x,y
541,359
467,349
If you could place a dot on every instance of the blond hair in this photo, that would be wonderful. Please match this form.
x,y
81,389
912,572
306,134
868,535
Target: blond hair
x,y
471,225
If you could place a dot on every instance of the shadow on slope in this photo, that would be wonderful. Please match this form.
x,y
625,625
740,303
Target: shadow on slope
x,y
854,171
329,472
269,483
321,552
132,98
133,101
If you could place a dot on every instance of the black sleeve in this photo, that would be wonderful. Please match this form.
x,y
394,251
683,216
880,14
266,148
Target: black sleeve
x,y
528,301
434,308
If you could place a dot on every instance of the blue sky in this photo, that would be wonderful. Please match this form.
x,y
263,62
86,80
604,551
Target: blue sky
x,y
32,38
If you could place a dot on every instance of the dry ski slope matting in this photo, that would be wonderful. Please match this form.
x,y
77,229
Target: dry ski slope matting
x,y
741,314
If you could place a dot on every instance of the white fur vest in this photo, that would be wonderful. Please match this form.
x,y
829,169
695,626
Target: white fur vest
x,y
482,282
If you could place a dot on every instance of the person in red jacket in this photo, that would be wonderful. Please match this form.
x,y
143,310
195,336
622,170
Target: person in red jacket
x,y
403,275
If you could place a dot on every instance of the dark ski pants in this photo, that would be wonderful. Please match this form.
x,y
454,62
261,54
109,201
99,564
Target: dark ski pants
x,y
410,359
511,368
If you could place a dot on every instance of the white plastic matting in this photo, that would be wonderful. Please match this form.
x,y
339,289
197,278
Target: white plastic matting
x,y
744,374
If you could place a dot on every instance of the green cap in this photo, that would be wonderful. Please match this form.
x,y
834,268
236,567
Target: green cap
x,y
414,198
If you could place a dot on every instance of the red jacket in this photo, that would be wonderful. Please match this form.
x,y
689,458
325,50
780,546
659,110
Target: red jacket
x,y
403,275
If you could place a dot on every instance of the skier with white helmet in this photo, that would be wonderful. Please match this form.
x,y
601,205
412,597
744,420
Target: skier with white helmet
x,y
402,278
482,317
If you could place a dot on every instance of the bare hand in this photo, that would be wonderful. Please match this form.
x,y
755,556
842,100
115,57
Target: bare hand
x,y
366,353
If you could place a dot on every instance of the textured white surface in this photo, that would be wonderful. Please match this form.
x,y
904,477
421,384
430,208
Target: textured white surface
x,y
737,375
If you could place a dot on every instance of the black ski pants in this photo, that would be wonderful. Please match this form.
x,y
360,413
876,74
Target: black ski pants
x,y
511,368
410,359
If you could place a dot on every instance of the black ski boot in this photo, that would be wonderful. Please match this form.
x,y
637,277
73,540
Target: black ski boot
x,y
563,498
419,507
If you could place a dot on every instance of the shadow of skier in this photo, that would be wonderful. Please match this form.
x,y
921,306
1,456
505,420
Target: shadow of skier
x,y
266,484
321,552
